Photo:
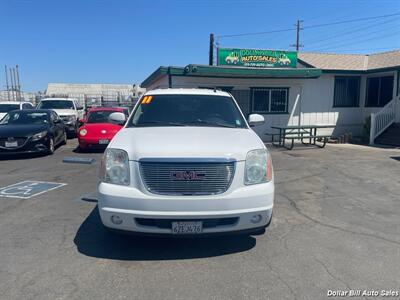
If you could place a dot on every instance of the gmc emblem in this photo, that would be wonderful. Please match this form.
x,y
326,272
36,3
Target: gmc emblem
x,y
186,176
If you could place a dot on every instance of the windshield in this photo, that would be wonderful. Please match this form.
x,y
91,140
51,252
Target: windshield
x,y
8,107
100,116
187,110
25,118
56,104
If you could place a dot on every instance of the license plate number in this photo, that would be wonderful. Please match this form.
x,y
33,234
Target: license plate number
x,y
103,142
12,144
187,227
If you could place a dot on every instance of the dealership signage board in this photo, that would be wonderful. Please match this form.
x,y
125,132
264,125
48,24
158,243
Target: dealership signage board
x,y
257,58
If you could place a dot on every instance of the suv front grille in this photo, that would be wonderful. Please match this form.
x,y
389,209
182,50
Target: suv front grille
x,y
187,178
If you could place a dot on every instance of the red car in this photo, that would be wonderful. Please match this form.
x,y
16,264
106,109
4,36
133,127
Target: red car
x,y
97,130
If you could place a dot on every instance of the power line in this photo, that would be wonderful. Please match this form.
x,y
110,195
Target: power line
x,y
368,49
255,33
358,42
306,27
350,21
340,34
352,39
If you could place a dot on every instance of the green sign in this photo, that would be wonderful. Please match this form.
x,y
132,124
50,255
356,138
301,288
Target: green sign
x,y
257,58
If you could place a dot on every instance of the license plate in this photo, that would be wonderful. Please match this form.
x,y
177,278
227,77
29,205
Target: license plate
x,y
187,227
103,142
11,144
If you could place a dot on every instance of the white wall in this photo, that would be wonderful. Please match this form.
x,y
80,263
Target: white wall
x,y
316,100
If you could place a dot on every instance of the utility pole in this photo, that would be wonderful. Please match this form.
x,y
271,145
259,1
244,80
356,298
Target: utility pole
x,y
211,51
298,28
12,83
15,85
18,85
8,88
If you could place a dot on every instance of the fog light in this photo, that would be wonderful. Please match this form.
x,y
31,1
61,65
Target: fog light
x,y
116,220
256,219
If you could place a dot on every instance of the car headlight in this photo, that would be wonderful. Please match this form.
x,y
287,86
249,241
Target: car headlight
x,y
115,167
69,119
258,168
39,136
83,132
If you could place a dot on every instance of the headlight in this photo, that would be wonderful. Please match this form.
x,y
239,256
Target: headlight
x,y
115,167
39,136
258,167
83,132
68,119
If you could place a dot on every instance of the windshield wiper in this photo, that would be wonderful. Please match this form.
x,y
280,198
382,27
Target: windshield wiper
x,y
212,123
161,123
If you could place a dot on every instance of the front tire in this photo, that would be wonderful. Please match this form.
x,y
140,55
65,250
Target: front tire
x,y
51,149
64,141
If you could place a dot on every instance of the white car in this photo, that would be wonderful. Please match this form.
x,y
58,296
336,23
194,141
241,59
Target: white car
x,y
6,106
186,163
68,109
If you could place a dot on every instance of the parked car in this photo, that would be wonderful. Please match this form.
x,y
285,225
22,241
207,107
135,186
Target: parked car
x,y
68,109
97,129
31,131
6,106
186,163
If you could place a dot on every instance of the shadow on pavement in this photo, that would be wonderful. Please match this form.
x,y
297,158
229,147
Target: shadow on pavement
x,y
21,156
92,239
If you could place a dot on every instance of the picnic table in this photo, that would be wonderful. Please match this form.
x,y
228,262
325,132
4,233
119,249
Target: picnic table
x,y
300,132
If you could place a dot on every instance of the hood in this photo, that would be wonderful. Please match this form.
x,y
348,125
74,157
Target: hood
x,y
97,129
186,142
20,130
65,112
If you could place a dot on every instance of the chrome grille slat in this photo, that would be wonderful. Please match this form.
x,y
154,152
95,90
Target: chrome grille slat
x,y
157,177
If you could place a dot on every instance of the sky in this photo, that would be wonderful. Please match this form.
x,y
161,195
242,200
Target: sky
x,y
122,41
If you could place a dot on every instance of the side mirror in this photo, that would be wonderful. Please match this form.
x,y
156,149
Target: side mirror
x,y
256,119
58,121
118,118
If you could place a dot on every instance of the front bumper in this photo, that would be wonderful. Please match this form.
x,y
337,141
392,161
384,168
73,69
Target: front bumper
x,y
40,146
146,213
93,143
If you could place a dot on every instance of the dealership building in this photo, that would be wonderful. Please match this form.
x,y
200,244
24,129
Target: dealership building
x,y
290,88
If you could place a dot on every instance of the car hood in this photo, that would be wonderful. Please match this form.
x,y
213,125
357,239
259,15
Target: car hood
x,y
20,130
186,142
65,112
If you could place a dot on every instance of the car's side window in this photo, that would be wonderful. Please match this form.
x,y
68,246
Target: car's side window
x,y
26,106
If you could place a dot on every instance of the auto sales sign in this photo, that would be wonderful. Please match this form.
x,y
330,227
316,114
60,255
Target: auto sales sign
x,y
257,58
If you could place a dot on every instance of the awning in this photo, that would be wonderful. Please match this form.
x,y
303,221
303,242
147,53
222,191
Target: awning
x,y
231,72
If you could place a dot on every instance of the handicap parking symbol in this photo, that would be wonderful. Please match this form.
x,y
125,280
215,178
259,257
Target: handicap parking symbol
x,y
28,189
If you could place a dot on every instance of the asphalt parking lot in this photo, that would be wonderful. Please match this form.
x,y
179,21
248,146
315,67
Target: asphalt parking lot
x,y
336,226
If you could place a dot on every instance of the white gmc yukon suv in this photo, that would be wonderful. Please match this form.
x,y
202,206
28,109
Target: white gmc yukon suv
x,y
186,163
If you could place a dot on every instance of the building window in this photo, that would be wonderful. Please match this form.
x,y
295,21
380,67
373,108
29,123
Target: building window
x,y
270,100
347,91
379,91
